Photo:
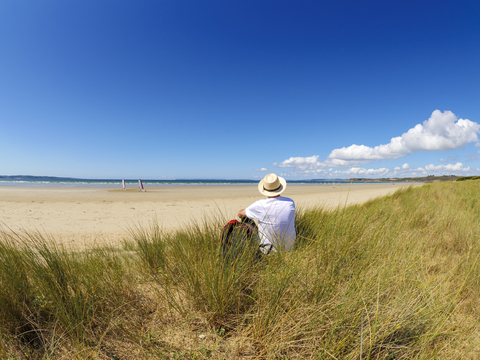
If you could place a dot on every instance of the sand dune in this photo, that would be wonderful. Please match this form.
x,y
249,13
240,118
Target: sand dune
x,y
104,214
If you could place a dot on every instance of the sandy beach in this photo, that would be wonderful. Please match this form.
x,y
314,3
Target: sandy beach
x,y
104,215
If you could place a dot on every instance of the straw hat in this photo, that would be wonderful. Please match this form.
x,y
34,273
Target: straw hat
x,y
272,185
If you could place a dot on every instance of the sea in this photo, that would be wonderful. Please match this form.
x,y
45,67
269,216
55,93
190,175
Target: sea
x,y
47,181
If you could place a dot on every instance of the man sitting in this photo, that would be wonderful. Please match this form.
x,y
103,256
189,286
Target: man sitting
x,y
275,215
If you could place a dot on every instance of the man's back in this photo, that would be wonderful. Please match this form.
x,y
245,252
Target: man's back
x,y
276,221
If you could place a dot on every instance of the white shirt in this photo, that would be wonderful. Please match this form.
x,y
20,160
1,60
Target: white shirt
x,y
276,221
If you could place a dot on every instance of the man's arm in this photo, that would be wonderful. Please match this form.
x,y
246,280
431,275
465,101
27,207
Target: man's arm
x,y
241,214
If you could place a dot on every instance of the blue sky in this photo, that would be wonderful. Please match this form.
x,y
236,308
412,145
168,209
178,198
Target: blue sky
x,y
236,89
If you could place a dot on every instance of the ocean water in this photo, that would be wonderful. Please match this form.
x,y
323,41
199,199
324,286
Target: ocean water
x,y
29,181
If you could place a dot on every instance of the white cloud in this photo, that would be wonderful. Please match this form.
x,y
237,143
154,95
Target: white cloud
x,y
302,163
312,163
450,167
441,132
402,171
405,167
346,173
405,171
299,161
362,171
450,158
472,157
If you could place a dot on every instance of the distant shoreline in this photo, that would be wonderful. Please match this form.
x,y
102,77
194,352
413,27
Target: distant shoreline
x,y
50,181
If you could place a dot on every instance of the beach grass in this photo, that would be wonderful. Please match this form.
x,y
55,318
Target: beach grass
x,y
397,277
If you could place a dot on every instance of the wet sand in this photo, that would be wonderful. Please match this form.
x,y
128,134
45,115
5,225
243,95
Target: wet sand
x,y
104,215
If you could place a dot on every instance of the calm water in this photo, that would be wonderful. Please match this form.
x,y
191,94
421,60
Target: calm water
x,y
68,182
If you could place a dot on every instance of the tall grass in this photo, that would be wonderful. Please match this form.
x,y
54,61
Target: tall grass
x,y
190,270
394,278
49,292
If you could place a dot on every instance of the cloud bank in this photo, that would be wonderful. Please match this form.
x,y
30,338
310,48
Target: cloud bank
x,y
401,171
443,131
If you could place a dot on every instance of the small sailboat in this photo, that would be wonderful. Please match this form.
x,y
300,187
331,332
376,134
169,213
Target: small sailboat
x,y
140,185
123,184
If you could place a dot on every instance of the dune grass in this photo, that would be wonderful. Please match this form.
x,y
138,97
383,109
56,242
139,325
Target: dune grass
x,y
397,277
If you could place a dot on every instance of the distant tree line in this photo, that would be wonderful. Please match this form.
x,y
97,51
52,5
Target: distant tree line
x,y
463,178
